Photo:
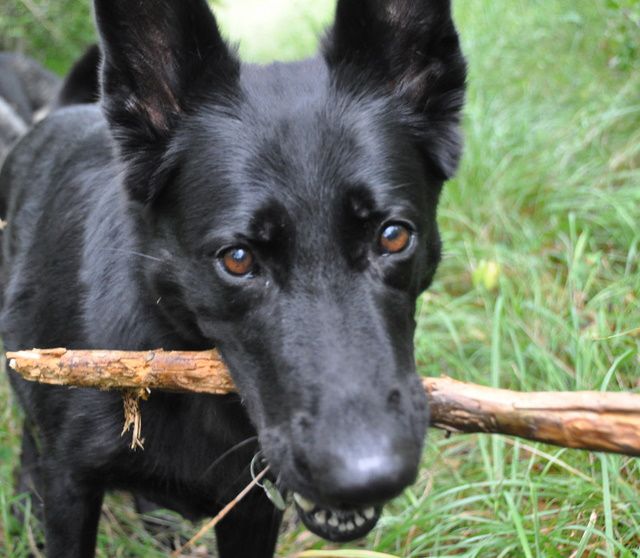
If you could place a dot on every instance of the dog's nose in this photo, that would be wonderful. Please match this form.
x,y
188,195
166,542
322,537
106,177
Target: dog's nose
x,y
365,479
375,478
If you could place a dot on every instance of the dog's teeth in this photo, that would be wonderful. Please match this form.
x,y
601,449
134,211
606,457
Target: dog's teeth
x,y
369,513
350,526
305,505
320,517
333,521
359,520
342,527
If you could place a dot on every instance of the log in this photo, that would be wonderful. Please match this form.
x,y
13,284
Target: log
x,y
593,421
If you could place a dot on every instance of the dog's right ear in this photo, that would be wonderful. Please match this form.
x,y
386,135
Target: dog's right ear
x,y
159,58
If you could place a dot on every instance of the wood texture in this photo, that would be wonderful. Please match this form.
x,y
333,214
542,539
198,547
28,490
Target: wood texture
x,y
200,372
585,420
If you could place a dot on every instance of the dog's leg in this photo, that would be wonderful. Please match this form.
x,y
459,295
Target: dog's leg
x,y
28,479
250,530
71,513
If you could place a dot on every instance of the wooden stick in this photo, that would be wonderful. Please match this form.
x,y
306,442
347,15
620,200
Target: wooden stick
x,y
200,372
586,420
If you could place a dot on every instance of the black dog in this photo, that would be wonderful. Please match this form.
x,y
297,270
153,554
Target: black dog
x,y
26,85
26,91
284,214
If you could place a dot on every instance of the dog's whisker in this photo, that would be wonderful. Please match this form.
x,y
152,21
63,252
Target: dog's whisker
x,y
134,253
227,453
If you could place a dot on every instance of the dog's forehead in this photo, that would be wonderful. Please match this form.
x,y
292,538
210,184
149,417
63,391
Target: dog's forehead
x,y
304,131
293,136
267,86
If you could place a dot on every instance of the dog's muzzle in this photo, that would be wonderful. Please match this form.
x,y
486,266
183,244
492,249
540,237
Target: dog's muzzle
x,y
336,525
333,524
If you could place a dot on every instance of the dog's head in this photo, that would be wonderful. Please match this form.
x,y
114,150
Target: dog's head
x,y
291,212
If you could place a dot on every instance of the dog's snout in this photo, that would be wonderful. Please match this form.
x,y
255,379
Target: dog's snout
x,y
353,450
372,479
365,479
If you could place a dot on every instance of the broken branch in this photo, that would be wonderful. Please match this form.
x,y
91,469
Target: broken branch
x,y
585,420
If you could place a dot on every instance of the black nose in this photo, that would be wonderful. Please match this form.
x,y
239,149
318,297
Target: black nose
x,y
364,478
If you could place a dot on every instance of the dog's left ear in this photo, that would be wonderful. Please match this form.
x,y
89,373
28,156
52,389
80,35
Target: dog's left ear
x,y
409,48
160,59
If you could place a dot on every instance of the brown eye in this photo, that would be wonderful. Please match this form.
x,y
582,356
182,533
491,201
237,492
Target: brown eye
x,y
394,238
238,261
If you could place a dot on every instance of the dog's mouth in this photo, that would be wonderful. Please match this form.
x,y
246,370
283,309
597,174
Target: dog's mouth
x,y
336,525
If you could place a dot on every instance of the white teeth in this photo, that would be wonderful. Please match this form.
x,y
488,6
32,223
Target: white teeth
x,y
322,517
305,505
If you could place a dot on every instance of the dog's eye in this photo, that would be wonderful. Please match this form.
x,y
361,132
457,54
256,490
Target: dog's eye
x,y
394,238
237,261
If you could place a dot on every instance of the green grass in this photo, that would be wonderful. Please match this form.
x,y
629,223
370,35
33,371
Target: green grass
x,y
539,289
55,32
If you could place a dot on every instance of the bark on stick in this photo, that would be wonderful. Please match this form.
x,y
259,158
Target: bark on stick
x,y
586,420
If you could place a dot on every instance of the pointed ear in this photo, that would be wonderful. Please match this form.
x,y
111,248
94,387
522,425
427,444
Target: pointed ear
x,y
81,85
159,58
409,48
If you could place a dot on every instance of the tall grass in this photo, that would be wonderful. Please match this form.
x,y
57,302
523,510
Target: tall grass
x,y
539,289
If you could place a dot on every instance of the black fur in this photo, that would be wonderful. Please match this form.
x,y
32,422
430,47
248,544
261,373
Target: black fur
x,y
26,85
82,83
117,220
12,127
26,89
28,92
